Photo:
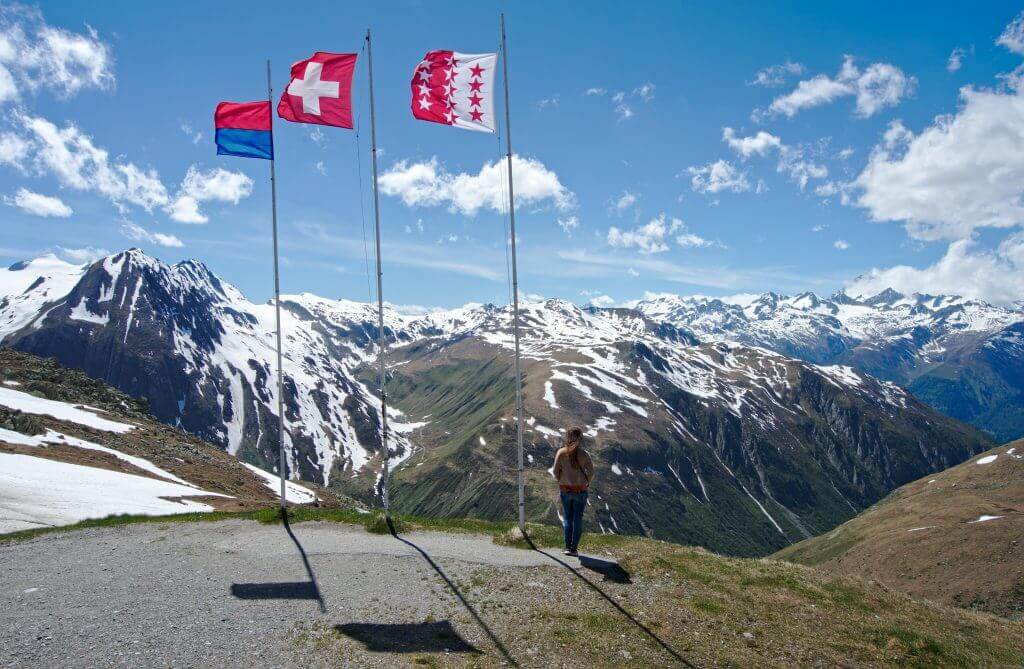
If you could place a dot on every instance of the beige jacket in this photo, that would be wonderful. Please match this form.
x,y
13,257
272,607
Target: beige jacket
x,y
570,477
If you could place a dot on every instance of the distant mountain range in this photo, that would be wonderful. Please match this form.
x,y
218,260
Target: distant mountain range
x,y
727,425
963,357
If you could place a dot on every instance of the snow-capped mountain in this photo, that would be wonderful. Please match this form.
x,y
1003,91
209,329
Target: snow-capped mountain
x,y
959,355
714,442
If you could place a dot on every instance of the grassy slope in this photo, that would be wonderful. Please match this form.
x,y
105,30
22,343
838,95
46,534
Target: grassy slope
x,y
921,539
708,608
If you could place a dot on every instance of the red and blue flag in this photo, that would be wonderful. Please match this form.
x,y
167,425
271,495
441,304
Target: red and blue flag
x,y
243,129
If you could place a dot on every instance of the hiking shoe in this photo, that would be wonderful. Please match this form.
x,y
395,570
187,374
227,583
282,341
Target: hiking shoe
x,y
572,553
567,552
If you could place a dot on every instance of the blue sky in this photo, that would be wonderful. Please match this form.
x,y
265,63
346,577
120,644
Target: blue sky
x,y
873,160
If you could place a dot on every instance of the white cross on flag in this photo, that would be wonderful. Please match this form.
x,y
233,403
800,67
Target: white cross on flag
x,y
320,90
455,89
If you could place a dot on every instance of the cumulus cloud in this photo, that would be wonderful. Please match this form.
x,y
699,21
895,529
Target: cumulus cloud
x,y
596,90
78,163
655,235
603,301
841,244
429,184
38,205
140,234
759,144
995,276
777,75
963,172
717,177
878,86
213,185
35,55
1012,36
792,159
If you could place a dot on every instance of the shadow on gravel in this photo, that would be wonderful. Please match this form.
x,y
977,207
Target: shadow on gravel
x,y
298,590
612,571
462,599
436,637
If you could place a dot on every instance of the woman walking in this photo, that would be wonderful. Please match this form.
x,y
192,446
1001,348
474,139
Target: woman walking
x,y
574,471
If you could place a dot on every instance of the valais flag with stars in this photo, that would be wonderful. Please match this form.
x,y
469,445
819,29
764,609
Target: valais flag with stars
x,y
320,90
455,89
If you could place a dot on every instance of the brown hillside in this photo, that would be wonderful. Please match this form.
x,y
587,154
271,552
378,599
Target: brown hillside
x,y
955,537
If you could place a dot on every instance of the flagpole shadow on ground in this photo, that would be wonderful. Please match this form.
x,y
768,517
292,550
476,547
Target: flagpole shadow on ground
x,y
614,572
286,590
462,599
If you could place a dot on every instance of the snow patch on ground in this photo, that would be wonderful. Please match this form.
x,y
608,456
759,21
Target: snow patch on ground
x,y
986,460
36,492
15,399
296,493
984,518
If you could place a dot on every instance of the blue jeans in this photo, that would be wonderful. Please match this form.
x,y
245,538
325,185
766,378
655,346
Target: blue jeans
x,y
573,506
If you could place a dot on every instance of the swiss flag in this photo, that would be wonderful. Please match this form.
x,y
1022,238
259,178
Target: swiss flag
x,y
455,89
320,90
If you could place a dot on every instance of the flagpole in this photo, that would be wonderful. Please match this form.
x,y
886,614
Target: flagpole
x,y
515,291
380,294
283,464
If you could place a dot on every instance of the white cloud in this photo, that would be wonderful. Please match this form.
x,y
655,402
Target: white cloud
x,y
654,236
718,176
845,153
80,256
759,144
963,172
878,86
624,202
956,60
213,185
139,234
1013,35
632,272
604,301
995,276
649,238
777,75
819,227
841,244
35,55
38,205
548,102
429,184
645,91
792,161
71,156
13,150
596,91
194,135
568,224
690,240
320,168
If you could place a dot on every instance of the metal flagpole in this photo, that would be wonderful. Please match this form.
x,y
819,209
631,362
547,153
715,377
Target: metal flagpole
x,y
283,464
515,290
380,294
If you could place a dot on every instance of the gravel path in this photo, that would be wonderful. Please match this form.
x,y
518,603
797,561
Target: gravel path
x,y
196,594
